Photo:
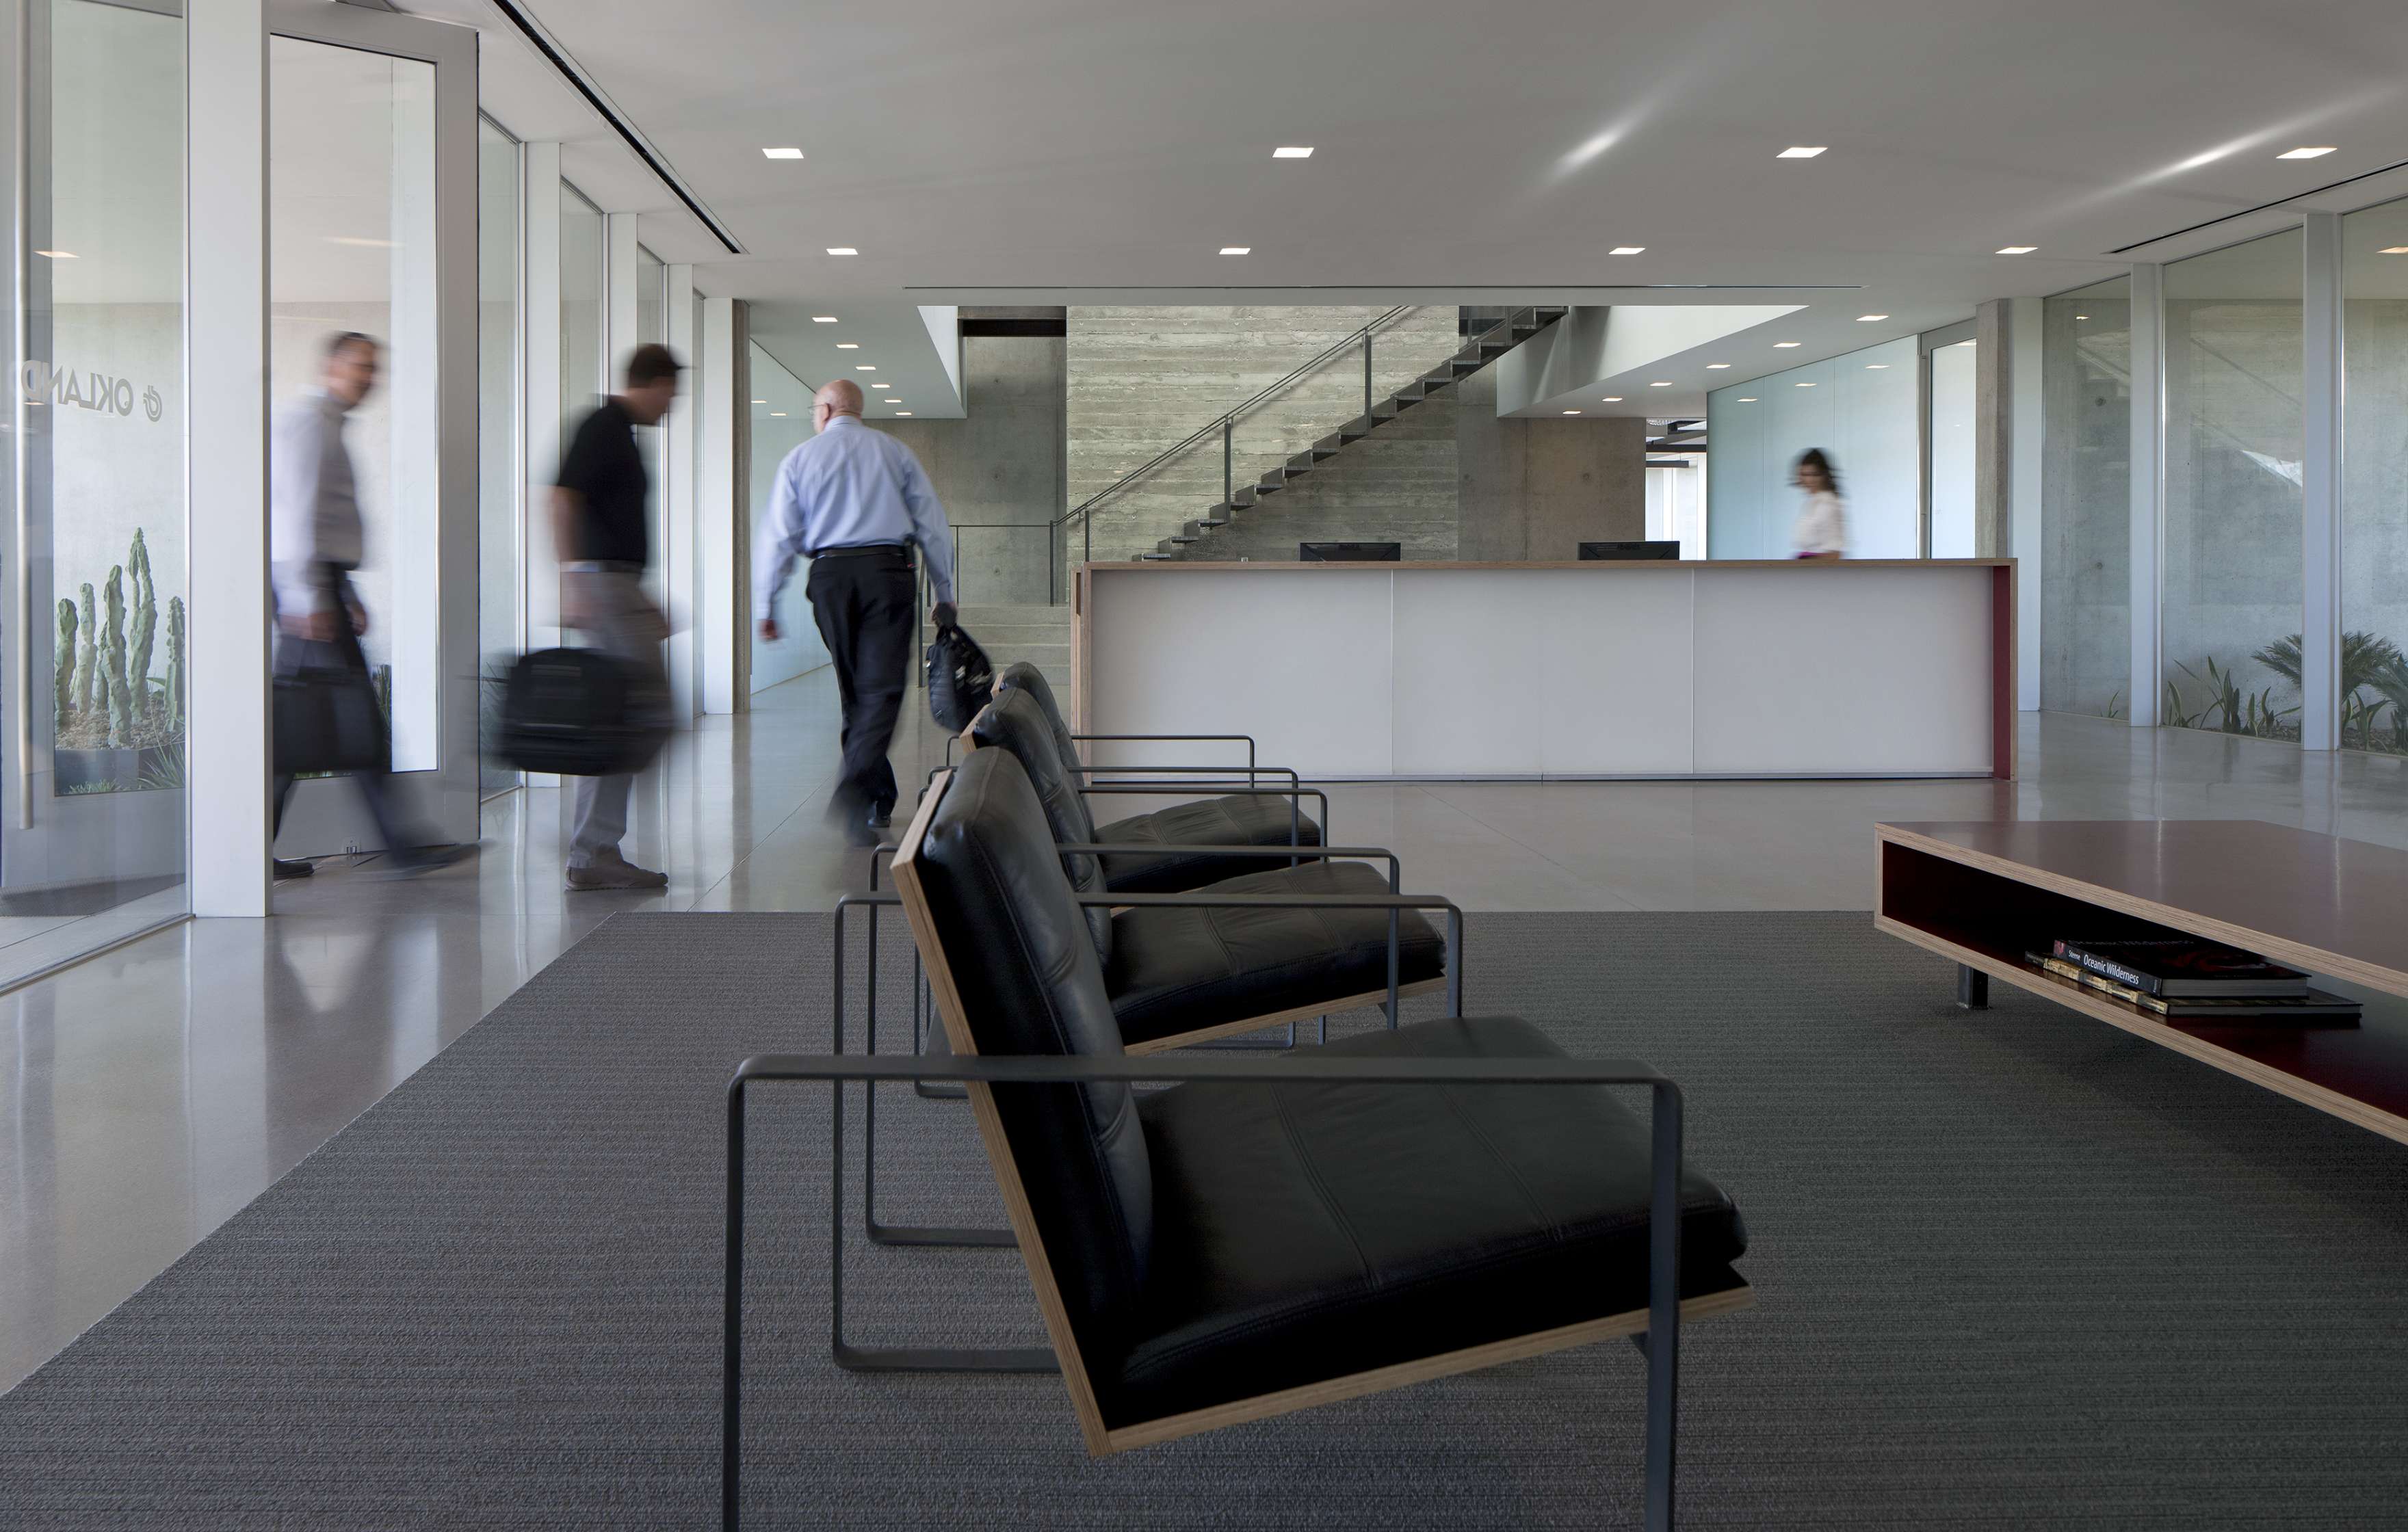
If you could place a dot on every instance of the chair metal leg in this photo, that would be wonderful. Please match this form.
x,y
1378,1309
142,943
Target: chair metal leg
x,y
1663,1340
1972,989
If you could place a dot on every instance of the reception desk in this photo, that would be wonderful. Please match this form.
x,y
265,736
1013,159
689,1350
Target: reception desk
x,y
1728,668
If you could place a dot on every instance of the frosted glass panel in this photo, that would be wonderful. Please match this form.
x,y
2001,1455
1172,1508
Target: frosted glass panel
x,y
1952,451
2085,613
781,420
1861,410
2234,445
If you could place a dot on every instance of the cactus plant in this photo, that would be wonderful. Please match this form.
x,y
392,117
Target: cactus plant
x,y
175,666
112,659
146,623
63,661
88,655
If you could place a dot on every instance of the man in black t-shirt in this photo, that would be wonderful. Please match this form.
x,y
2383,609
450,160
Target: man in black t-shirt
x,y
600,529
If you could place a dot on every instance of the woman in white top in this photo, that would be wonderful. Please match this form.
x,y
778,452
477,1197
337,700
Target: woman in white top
x,y
1822,528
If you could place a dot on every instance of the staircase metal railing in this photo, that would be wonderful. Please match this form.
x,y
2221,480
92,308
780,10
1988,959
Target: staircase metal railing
x,y
1224,425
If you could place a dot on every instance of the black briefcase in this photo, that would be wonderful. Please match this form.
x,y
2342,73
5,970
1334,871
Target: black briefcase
x,y
326,718
573,711
961,680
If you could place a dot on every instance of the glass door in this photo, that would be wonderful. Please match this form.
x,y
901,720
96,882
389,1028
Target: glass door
x,y
372,231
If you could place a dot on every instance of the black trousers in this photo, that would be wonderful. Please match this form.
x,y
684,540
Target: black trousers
x,y
864,606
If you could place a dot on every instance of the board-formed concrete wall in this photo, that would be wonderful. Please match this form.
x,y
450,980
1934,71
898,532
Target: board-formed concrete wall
x,y
1000,469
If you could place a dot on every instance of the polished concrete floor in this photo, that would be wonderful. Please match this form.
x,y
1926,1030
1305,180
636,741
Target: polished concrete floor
x,y
149,1093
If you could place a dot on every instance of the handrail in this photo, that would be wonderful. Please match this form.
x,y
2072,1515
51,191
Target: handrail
x,y
1230,416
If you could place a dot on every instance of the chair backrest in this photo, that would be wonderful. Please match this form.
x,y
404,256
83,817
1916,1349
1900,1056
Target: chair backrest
x,y
1021,675
1002,924
1014,722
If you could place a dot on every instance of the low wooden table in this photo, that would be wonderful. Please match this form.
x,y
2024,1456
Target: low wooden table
x,y
1987,894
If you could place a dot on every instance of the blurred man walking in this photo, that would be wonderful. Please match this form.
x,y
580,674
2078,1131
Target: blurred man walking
x,y
603,535
849,500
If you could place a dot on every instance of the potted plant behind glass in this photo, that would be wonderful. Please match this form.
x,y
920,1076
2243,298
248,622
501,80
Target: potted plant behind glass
x,y
117,727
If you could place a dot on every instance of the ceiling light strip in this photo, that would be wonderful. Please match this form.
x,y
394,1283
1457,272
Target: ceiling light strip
x,y
558,57
2261,208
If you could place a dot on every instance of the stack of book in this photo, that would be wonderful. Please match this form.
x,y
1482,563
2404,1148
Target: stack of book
x,y
2182,978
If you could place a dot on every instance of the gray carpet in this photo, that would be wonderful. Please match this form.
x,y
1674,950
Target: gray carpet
x,y
2015,1269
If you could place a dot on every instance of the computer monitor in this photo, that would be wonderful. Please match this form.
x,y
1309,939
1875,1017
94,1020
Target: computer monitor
x,y
1629,550
1350,552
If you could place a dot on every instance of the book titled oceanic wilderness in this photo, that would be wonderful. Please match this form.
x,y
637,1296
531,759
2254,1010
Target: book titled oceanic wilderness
x,y
2183,966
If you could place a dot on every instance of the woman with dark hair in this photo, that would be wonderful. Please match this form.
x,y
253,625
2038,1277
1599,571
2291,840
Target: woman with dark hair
x,y
1822,528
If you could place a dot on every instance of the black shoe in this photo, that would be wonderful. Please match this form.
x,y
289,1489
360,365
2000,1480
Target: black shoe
x,y
881,816
288,867
418,859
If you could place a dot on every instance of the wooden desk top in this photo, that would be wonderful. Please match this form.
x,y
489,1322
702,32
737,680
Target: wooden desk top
x,y
2315,901
1642,566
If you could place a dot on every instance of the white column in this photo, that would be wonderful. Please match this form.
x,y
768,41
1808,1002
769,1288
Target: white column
x,y
414,393
225,451
540,284
721,609
680,495
2027,464
2148,490
619,283
2320,521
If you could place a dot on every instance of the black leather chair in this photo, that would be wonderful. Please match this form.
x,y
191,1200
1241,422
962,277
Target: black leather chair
x,y
1152,862
1183,974
1211,1254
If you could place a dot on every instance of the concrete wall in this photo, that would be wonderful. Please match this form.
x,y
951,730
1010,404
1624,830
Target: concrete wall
x,y
1535,488
1140,378
2086,523
999,471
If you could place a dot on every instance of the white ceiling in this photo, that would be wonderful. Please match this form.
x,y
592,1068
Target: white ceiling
x,y
1068,150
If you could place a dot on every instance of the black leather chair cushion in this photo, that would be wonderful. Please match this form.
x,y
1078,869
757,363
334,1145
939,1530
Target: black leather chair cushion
x,y
1238,820
1175,970
1245,819
1021,675
1014,722
1030,984
1308,1232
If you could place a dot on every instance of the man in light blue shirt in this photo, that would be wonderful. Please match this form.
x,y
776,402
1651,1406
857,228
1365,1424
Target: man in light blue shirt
x,y
850,499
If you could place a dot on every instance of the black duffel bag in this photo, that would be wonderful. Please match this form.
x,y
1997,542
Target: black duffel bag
x,y
326,716
574,711
960,680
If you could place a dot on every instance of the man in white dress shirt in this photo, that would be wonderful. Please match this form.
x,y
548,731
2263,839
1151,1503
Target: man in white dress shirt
x,y
315,541
850,499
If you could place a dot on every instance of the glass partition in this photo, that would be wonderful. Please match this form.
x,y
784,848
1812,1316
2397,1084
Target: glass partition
x,y
98,847
651,442
2375,479
500,602
581,327
2233,381
2085,651
782,422
1861,410
1949,448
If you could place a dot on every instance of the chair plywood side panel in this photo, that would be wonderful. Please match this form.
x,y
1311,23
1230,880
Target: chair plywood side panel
x,y
998,1146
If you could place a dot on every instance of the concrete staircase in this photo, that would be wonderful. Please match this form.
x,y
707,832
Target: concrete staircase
x,y
1038,634
1518,325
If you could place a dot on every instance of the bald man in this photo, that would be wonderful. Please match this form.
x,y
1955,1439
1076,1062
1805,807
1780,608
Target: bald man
x,y
852,501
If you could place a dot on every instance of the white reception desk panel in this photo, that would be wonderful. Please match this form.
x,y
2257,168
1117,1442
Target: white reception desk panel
x,y
1695,669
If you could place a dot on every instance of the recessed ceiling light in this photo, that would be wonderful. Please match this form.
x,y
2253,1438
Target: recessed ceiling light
x,y
1786,345
1868,319
69,255
1625,249
787,153
1572,411
777,414
848,345
360,240
1665,384
1801,151
2388,249
881,385
1877,366
865,367
1747,401
2086,316
1717,367
822,319
1237,250
1293,152
2306,151
1804,385
2017,249
842,250
902,412
760,401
